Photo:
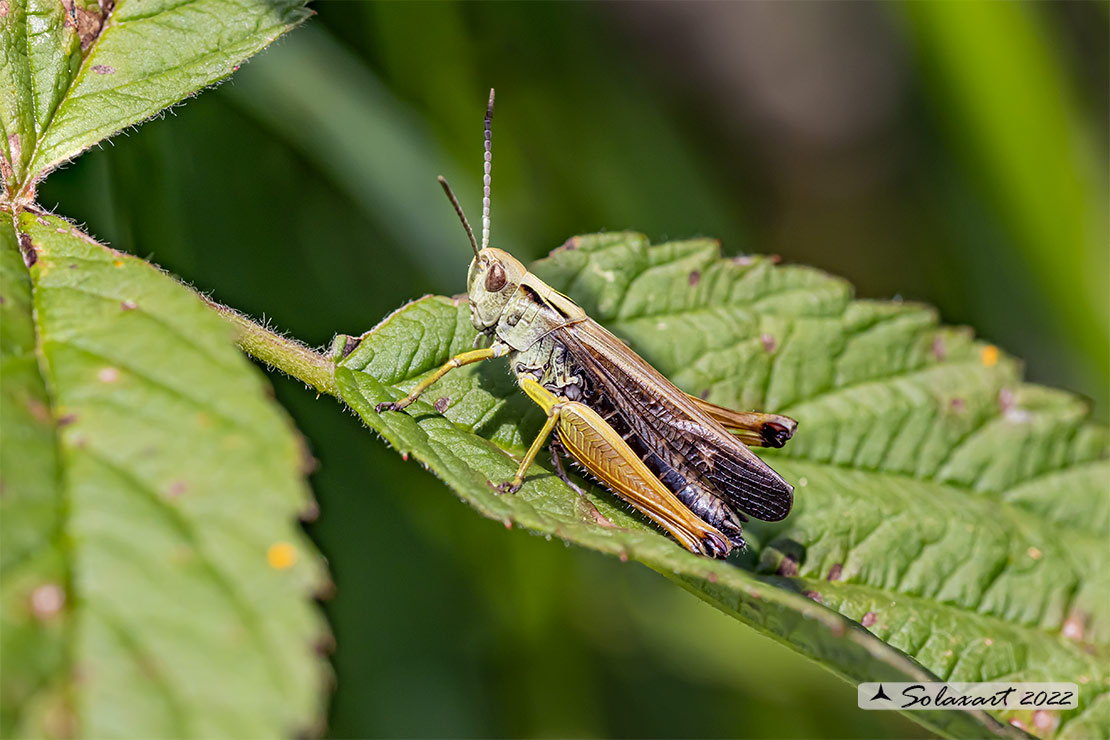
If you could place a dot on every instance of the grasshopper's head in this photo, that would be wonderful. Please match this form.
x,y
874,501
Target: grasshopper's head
x,y
493,278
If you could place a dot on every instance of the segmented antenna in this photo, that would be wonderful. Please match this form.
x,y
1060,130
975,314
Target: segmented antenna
x,y
462,216
487,166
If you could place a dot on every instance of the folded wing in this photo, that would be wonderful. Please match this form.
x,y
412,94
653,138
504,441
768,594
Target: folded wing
x,y
667,420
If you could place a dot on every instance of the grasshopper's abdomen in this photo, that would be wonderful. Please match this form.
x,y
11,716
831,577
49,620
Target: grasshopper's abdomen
x,y
549,363
668,467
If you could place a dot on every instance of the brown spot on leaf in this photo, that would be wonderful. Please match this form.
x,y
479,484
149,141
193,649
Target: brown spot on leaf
x,y
768,342
815,596
788,566
1005,400
837,629
38,410
103,69
349,345
441,404
66,419
1073,628
958,404
27,248
1013,413
835,571
15,147
1045,720
47,600
775,258
623,556
695,278
87,22
711,577
128,305
938,347
869,619
704,394
177,489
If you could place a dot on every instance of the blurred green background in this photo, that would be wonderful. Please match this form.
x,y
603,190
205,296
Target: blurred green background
x,y
949,153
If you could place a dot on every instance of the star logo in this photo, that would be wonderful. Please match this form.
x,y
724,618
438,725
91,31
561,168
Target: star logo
x,y
880,694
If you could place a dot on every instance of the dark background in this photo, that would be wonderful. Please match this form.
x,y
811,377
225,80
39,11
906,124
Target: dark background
x,y
949,153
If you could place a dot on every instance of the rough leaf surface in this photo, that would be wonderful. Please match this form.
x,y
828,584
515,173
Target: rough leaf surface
x,y
155,582
950,520
73,72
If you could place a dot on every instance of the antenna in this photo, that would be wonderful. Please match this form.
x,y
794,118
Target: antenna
x,y
488,164
462,216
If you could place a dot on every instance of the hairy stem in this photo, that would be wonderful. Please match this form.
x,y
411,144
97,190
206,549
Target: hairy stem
x,y
287,355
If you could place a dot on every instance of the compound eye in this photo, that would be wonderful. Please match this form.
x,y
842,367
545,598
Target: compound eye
x,y
495,278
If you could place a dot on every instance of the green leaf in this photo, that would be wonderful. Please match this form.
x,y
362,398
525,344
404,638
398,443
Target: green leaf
x,y
78,71
949,519
155,582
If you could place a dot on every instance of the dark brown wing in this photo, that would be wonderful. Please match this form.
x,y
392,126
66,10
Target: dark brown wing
x,y
667,420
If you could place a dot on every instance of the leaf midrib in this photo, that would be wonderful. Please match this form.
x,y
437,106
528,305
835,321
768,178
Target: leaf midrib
x,y
25,190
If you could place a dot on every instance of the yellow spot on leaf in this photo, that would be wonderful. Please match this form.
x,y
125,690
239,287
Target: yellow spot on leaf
x,y
118,263
1034,553
281,555
989,356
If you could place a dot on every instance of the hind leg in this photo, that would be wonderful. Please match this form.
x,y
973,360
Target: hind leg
x,y
557,452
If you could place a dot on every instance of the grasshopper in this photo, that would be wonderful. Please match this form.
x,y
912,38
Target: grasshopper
x,y
679,460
